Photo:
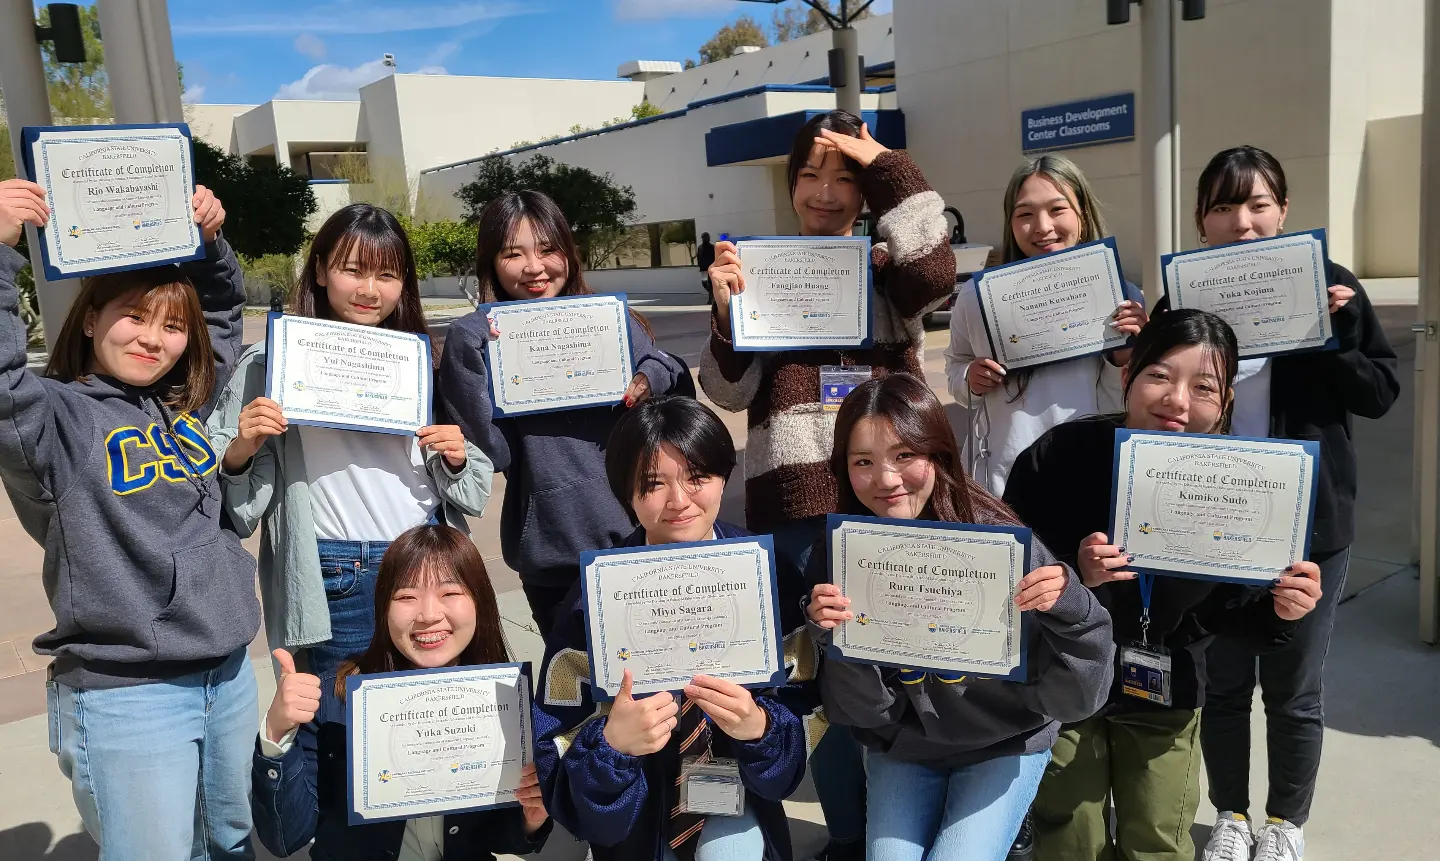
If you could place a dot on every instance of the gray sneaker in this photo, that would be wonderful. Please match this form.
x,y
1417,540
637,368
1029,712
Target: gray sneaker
x,y
1230,840
1278,840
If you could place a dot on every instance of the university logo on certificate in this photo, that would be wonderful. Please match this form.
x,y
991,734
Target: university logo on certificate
x,y
1273,292
563,353
435,742
119,196
802,293
1213,507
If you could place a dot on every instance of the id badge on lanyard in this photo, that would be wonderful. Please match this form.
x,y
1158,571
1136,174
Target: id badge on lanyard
x,y
837,381
711,786
1145,669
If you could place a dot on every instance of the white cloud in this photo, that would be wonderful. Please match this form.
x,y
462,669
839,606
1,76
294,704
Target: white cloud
x,y
193,94
327,82
651,10
441,53
360,17
310,45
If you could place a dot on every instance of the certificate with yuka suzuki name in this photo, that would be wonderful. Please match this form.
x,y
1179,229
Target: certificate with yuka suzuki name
x,y
559,354
670,612
433,742
1213,507
802,293
930,596
119,196
1273,292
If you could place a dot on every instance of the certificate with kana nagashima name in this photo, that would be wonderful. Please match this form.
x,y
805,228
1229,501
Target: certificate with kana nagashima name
x,y
119,196
1213,507
559,354
930,596
435,742
802,293
670,612
1053,308
1273,292
349,377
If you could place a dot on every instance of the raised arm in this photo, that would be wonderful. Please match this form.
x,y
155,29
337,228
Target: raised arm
x,y
464,387
221,289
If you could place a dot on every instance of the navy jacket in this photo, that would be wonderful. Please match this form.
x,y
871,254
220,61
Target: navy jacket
x,y
303,796
620,803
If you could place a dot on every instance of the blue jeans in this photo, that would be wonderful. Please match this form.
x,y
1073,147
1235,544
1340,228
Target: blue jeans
x,y
161,771
728,838
965,814
350,569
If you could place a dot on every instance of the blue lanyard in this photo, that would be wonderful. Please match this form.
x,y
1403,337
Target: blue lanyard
x,y
1147,587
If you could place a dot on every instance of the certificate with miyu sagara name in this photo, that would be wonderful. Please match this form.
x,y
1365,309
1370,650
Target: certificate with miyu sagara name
x,y
433,742
930,596
1273,292
559,354
670,612
802,293
119,196
340,375
1213,507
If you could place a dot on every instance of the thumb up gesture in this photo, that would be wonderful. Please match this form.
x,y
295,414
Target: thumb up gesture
x,y
639,727
297,698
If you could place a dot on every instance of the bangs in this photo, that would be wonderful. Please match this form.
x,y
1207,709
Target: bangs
x,y
171,301
373,249
432,570
1235,185
544,232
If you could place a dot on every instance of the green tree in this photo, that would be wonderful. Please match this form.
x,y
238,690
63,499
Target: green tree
x,y
443,247
644,110
265,207
680,233
745,31
79,92
7,155
802,19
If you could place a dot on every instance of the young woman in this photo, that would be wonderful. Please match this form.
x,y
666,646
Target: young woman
x,y
952,763
434,607
610,777
1049,207
1141,754
1243,196
556,501
835,170
327,501
105,458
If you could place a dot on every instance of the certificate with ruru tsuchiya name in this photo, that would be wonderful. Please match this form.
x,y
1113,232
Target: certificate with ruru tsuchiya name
x,y
559,354
434,742
340,375
930,596
119,196
1273,292
1052,308
1213,507
802,293
670,612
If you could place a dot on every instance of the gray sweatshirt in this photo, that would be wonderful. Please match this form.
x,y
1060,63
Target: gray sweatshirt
x,y
144,582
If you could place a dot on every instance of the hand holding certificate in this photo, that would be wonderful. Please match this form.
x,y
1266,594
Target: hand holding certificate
x,y
558,354
1273,292
802,293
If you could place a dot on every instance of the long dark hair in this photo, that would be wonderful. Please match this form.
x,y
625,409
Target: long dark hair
x,y
685,423
920,422
1229,178
430,553
840,122
1184,328
380,243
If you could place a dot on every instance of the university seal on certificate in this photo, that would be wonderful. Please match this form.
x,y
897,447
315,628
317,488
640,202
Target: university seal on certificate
x,y
802,293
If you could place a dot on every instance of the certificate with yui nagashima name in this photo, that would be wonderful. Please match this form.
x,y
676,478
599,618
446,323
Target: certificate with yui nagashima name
x,y
119,196
802,293
1273,292
340,375
1213,507
559,354
433,742
670,612
930,596
1053,308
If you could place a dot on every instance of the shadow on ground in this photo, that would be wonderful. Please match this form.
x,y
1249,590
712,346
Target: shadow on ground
x,y
31,842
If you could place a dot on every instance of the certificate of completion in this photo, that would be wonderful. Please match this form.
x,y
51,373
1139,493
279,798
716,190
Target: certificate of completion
x,y
802,293
431,742
937,597
339,375
1052,308
559,354
1214,507
671,612
119,197
1272,292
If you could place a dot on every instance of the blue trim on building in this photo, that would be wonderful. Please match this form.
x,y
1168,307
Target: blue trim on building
x,y
329,182
770,137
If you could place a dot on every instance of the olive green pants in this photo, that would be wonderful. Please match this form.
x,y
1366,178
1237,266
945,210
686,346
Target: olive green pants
x,y
1148,762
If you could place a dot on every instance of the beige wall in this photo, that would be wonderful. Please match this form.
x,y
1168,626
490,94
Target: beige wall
x,y
214,124
1389,207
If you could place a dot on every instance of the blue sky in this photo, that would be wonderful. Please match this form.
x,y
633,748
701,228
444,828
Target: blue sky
x,y
250,51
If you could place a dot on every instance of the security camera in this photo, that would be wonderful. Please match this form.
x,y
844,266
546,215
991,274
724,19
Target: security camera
x,y
388,60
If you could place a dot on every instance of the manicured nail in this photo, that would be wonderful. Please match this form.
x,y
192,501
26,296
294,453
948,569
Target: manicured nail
x,y
1122,549
1275,582
1130,558
629,401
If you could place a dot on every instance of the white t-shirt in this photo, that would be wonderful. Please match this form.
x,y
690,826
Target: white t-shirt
x,y
365,486
1251,416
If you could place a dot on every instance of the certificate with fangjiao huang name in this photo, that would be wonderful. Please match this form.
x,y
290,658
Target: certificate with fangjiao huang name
x,y
802,293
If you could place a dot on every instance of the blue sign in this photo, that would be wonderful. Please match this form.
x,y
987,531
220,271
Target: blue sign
x,y
1074,124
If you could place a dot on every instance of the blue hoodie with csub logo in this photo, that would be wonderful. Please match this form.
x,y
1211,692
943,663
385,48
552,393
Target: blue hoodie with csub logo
x,y
145,583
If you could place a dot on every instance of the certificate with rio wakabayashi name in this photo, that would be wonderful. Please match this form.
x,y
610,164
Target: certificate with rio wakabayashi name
x,y
434,742
1273,292
1213,507
802,293
559,354
671,612
1052,308
349,377
119,196
930,596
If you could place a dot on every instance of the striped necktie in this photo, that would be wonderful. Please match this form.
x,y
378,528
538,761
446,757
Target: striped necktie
x,y
694,734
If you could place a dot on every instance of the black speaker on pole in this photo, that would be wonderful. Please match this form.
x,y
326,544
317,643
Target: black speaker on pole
x,y
837,68
1192,10
64,32
1117,12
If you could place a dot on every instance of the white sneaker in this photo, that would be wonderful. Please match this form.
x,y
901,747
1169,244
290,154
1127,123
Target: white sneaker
x,y
1278,840
1230,840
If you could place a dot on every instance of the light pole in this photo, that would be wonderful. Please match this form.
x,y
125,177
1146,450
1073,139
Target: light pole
x,y
847,67
1427,341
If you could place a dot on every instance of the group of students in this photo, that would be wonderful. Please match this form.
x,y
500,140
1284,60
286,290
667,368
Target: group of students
x,y
146,450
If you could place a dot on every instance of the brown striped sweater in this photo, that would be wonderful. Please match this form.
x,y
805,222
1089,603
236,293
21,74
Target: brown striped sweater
x,y
787,452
